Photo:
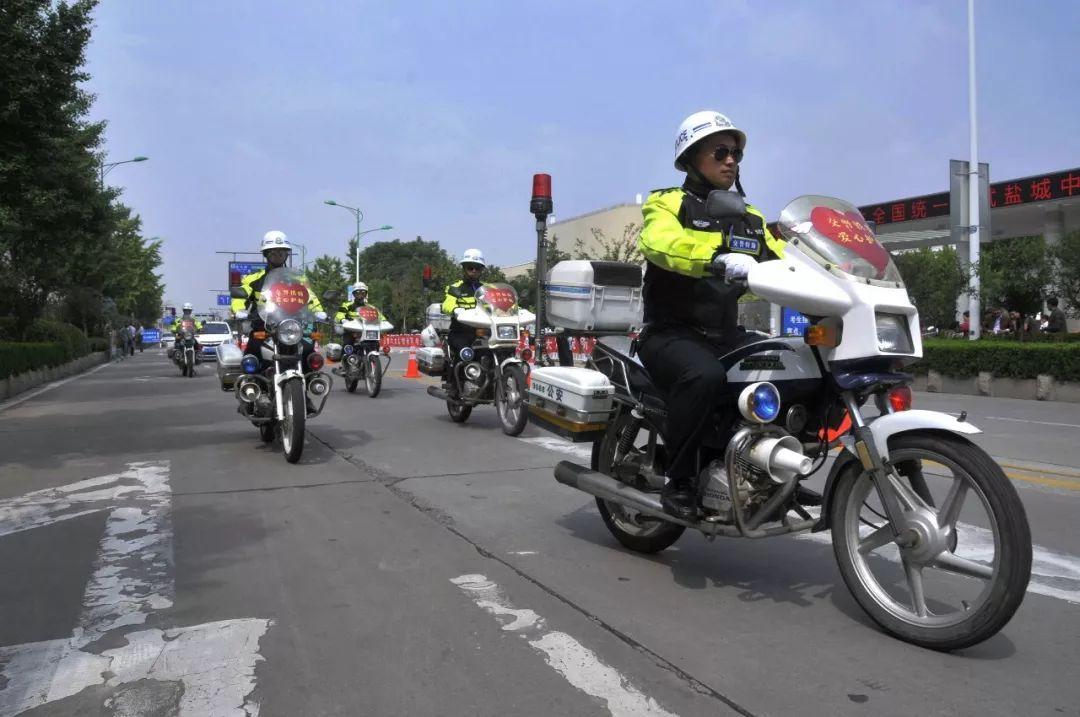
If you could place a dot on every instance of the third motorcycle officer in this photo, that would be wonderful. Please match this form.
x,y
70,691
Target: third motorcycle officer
x,y
691,306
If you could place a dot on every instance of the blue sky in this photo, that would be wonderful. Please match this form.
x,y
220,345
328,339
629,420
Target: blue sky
x,y
433,116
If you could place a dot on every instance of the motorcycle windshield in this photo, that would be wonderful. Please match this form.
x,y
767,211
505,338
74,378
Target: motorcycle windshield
x,y
187,328
498,299
285,295
835,234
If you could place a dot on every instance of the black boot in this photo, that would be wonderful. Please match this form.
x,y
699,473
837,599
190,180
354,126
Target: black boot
x,y
680,499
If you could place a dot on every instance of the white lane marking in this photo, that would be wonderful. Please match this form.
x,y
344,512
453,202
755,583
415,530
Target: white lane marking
x,y
576,663
521,552
12,403
1024,420
1053,574
132,579
579,451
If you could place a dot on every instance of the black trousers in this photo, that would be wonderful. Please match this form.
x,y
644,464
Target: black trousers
x,y
685,365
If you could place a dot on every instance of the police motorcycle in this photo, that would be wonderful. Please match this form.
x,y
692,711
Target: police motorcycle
x,y
489,371
364,358
930,536
186,354
273,390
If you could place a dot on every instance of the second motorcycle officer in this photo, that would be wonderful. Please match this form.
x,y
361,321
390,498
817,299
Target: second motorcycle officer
x,y
691,315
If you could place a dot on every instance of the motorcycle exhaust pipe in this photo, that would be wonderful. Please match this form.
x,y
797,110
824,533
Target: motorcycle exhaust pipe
x,y
438,392
607,488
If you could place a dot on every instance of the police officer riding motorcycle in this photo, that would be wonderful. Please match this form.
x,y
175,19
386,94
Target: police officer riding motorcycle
x,y
691,318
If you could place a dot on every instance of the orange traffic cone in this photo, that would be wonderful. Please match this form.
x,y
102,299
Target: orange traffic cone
x,y
412,369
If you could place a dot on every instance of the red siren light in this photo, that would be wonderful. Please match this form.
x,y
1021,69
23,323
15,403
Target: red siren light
x,y
541,205
541,186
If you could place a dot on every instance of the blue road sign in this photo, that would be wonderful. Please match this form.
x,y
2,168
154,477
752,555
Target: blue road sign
x,y
151,336
223,299
792,323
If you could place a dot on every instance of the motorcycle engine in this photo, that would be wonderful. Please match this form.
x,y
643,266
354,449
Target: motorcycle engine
x,y
754,484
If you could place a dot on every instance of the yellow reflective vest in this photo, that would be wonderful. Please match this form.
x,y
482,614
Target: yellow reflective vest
x,y
679,242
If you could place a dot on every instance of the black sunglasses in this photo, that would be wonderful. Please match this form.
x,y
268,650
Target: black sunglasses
x,y
722,152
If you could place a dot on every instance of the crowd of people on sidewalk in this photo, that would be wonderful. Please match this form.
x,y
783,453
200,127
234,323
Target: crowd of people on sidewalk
x,y
125,340
1000,321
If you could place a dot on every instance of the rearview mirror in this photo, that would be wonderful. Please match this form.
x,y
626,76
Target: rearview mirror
x,y
238,292
722,204
331,296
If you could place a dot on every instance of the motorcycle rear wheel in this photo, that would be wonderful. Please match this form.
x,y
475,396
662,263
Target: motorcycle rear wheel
x,y
373,375
940,584
458,413
641,534
292,427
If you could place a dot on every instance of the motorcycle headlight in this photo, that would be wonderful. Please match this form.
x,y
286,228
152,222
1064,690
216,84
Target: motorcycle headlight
x,y
348,349
188,335
371,335
289,332
508,331
893,335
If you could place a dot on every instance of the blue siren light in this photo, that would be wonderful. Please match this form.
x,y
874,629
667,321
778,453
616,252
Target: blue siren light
x,y
348,349
466,354
765,402
249,363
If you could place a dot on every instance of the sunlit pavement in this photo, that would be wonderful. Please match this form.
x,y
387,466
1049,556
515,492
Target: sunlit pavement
x,y
158,559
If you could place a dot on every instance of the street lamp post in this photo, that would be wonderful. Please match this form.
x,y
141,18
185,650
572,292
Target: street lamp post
x,y
383,228
106,167
359,218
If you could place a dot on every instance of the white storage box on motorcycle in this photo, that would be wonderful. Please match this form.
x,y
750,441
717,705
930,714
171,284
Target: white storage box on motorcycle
x,y
438,320
595,296
228,364
430,360
572,402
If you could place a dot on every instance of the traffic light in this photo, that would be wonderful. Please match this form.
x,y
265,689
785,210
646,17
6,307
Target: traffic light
x,y
427,278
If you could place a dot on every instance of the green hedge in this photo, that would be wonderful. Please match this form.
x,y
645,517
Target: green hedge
x,y
1005,359
20,357
99,343
45,331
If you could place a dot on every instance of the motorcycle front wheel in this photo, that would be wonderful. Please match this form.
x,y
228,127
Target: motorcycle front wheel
x,y
351,383
373,375
954,574
510,401
292,424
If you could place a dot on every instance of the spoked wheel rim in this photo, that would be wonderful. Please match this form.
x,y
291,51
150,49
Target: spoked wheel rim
x,y
510,406
372,377
627,519
632,522
930,556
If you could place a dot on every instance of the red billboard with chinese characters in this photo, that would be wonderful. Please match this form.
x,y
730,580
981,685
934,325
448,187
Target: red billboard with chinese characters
x,y
1039,188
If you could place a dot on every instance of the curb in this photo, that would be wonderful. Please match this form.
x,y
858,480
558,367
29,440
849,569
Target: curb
x,y
12,386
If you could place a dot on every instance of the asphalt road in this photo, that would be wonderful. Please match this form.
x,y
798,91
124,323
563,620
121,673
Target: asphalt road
x,y
157,559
